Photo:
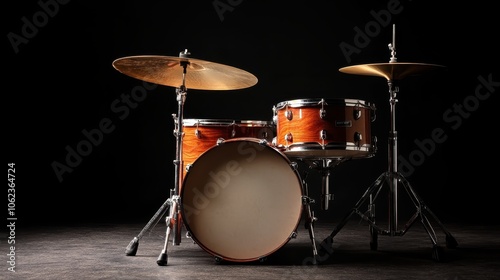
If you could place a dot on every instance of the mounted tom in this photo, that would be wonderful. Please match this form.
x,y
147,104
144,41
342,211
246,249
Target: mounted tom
x,y
325,128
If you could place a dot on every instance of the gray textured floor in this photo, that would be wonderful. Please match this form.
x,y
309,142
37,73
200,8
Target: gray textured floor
x,y
97,251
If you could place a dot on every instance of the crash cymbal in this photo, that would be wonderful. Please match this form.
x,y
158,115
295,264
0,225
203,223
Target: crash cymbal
x,y
391,70
200,74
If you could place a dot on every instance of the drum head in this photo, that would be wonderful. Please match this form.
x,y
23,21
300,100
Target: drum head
x,y
241,200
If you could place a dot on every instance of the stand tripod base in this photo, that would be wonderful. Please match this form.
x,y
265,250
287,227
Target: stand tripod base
x,y
423,213
162,259
131,249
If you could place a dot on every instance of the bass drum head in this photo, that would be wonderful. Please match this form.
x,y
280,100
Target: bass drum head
x,y
241,200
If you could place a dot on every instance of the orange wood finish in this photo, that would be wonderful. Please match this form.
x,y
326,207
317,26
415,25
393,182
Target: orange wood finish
x,y
209,132
339,123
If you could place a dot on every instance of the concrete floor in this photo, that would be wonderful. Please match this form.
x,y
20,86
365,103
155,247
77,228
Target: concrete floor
x,y
97,251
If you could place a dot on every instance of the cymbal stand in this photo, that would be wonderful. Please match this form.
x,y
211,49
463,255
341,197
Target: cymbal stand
x,y
391,178
173,221
132,247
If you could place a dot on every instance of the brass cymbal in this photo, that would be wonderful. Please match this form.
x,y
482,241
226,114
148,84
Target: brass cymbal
x,y
200,74
390,70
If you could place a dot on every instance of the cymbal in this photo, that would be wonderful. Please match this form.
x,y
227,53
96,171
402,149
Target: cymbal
x,y
200,74
391,70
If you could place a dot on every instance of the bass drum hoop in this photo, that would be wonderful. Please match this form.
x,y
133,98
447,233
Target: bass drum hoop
x,y
225,122
248,215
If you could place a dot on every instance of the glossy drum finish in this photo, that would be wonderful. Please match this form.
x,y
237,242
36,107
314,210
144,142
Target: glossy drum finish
x,y
325,128
202,134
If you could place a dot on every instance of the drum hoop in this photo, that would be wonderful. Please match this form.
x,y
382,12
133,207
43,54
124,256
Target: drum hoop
x,y
224,122
256,123
281,156
346,146
328,101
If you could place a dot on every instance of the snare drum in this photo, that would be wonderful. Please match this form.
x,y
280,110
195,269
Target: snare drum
x,y
241,200
202,134
325,128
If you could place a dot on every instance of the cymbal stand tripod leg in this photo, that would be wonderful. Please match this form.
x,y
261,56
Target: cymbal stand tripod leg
x,y
421,210
375,187
171,220
132,247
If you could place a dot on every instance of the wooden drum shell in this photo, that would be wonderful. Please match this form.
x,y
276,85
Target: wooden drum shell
x,y
325,128
199,135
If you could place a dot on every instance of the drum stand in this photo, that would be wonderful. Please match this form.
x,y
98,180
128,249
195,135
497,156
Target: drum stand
x,y
391,178
163,70
132,247
324,165
310,218
173,220
392,71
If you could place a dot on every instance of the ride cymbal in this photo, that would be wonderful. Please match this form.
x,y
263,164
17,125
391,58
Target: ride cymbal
x,y
200,74
390,70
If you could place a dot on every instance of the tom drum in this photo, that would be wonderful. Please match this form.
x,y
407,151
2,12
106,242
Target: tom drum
x,y
325,128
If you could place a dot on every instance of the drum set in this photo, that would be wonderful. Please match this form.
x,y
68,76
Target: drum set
x,y
227,194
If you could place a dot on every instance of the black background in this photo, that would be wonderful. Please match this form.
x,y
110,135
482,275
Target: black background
x,y
60,81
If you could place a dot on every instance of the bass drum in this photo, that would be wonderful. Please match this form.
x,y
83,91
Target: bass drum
x,y
241,200
325,128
